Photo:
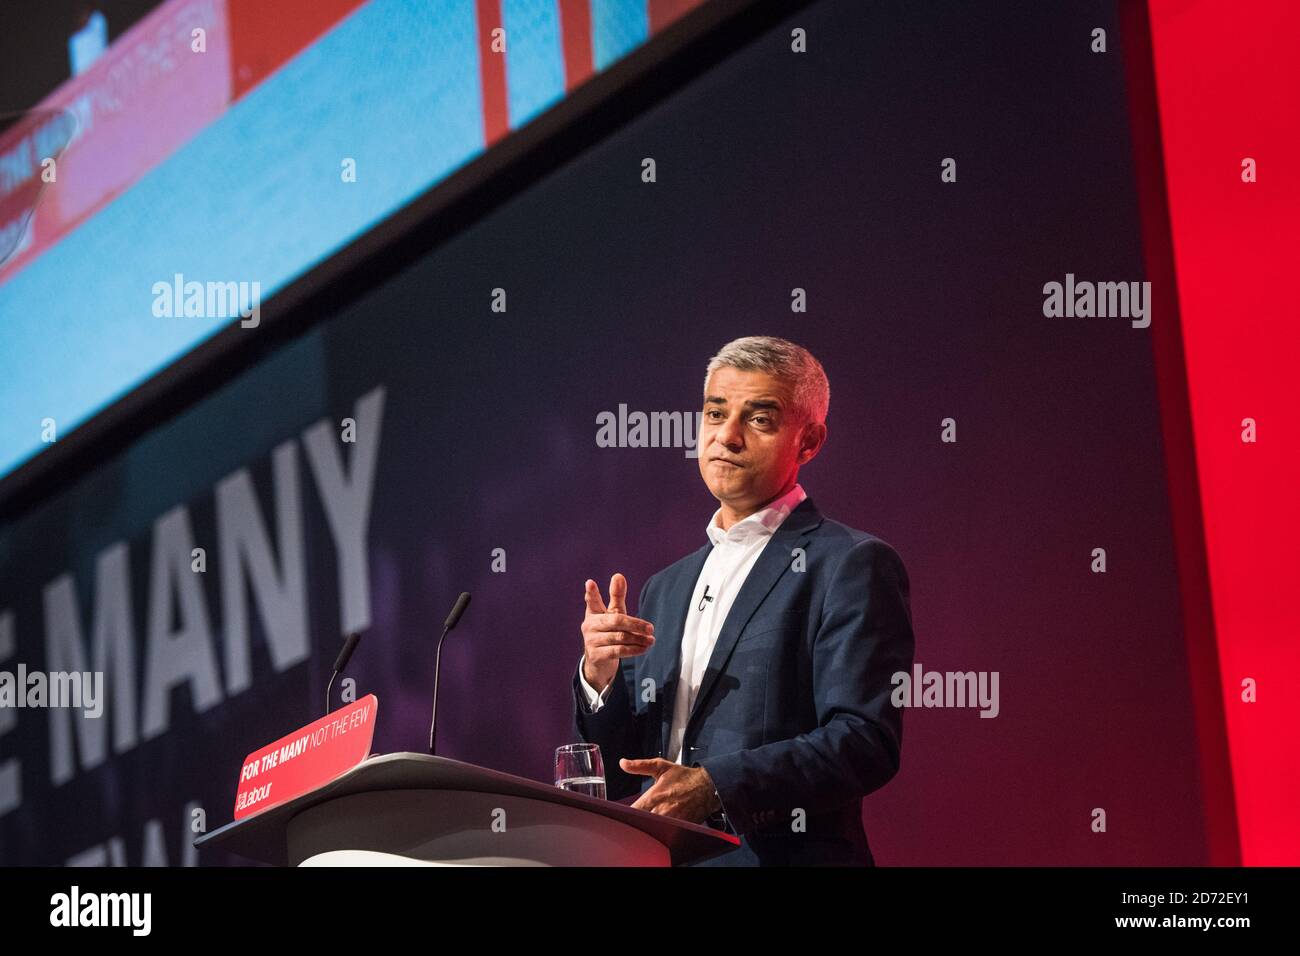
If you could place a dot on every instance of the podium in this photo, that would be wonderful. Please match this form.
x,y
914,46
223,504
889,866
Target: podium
x,y
409,809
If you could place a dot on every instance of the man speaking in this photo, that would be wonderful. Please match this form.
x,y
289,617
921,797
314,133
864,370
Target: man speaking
x,y
753,692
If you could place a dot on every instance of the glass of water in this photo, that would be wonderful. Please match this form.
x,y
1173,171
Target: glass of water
x,y
578,767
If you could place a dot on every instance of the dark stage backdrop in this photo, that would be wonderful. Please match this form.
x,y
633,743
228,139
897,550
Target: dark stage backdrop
x,y
477,430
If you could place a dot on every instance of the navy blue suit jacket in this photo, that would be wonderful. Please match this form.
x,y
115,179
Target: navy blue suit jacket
x,y
793,720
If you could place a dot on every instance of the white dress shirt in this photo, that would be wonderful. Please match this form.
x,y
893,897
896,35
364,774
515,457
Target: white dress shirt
x,y
728,564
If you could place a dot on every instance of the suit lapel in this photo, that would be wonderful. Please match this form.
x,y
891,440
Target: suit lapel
x,y
772,563
668,638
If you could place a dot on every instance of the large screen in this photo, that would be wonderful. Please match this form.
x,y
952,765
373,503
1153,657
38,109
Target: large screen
x,y
217,149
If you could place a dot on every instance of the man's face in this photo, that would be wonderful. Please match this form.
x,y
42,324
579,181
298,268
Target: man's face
x,y
752,441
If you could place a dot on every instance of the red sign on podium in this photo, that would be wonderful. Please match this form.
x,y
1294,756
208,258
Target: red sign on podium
x,y
306,758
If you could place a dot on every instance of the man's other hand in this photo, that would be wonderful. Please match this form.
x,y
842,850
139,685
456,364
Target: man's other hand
x,y
686,793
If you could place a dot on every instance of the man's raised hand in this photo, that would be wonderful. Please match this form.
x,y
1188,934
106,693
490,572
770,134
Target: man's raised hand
x,y
609,633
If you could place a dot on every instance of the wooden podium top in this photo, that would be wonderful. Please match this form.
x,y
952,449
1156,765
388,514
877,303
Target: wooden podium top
x,y
262,836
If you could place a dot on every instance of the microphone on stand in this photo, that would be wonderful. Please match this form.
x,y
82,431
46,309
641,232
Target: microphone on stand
x,y
462,602
349,645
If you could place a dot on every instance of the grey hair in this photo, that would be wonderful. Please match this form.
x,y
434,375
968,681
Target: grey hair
x,y
791,363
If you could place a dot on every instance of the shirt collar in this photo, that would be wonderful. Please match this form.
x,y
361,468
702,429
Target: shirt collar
x,y
761,523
